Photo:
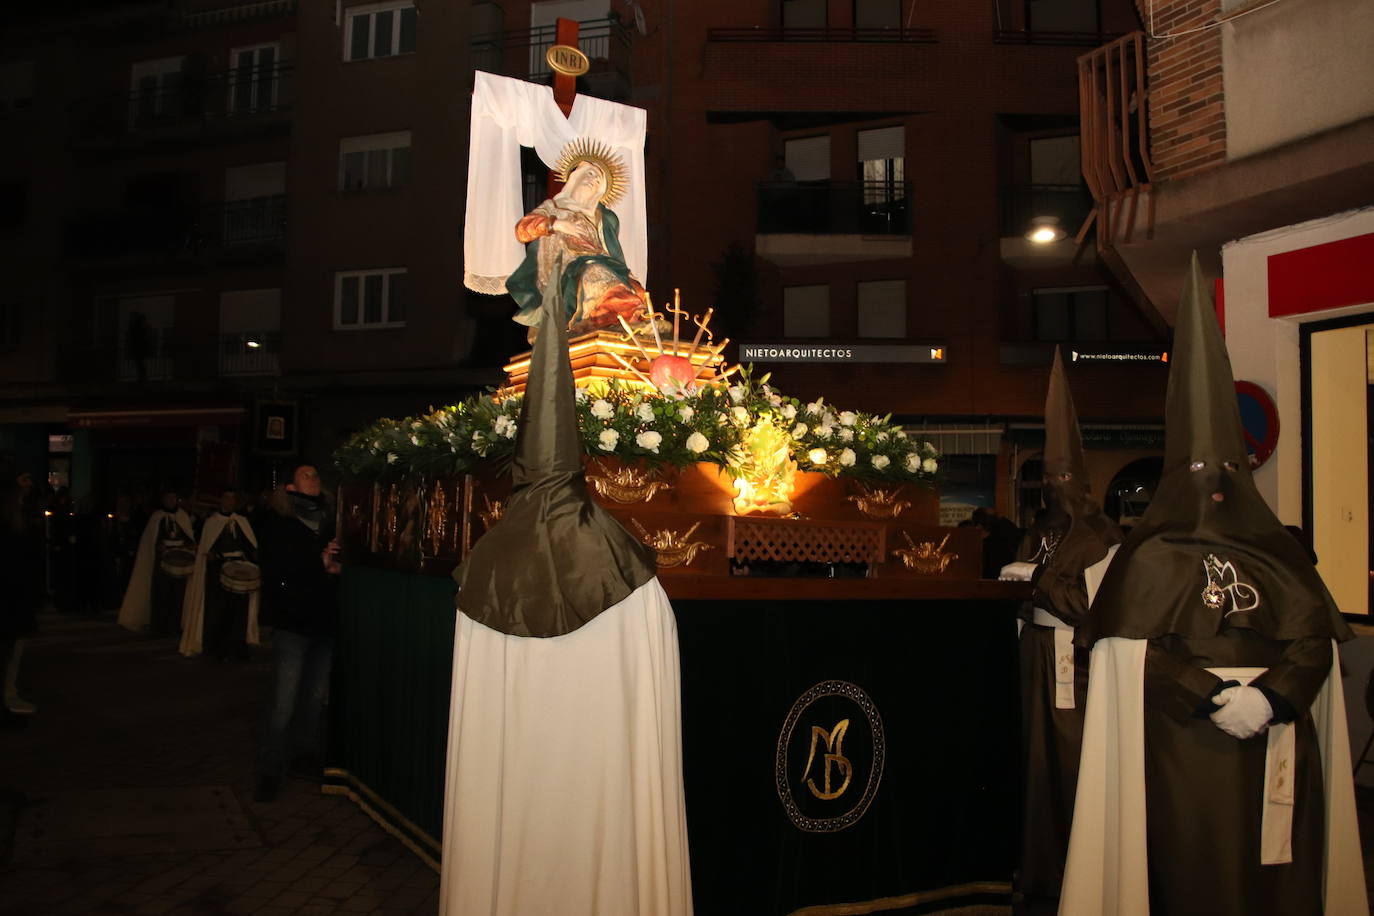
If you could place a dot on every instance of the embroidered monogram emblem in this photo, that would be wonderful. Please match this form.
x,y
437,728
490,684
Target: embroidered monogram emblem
x,y
1223,582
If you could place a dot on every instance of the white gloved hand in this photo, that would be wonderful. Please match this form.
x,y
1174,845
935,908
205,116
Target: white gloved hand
x,y
1017,572
1244,712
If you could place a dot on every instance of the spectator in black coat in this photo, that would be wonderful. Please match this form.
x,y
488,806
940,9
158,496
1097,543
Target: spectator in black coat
x,y
298,556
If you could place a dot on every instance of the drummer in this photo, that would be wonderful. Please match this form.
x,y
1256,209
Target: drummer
x,y
225,628
165,559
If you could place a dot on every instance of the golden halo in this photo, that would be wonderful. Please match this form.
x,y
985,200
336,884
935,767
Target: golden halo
x,y
598,154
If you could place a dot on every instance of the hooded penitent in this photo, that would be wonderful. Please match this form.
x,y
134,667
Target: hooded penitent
x,y
556,559
1209,553
1215,771
1090,534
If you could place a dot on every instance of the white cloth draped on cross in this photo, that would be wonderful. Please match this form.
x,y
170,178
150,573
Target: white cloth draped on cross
x,y
508,114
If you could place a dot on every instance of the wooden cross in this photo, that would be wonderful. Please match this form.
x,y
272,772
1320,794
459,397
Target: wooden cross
x,y
564,86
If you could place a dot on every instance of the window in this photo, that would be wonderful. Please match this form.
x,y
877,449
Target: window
x,y
803,14
370,298
374,161
156,91
380,30
14,205
806,311
1071,313
1062,16
9,325
877,14
253,79
882,170
882,308
16,85
808,158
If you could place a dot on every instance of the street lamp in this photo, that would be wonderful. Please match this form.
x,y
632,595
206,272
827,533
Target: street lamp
x,y
1044,230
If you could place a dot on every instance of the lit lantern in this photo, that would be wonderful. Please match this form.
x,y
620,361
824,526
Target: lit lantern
x,y
768,472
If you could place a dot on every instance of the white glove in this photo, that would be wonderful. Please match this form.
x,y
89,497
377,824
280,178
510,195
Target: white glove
x,y
1017,572
1244,712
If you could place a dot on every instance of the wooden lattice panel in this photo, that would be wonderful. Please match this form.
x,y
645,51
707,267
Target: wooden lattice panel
x,y
793,541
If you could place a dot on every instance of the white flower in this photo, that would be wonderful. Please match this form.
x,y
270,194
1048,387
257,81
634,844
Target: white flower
x,y
880,461
815,407
881,437
510,430
899,433
913,462
416,424
697,443
824,432
377,443
686,413
799,430
775,399
391,457
929,465
645,413
847,417
846,435
649,439
607,440
928,448
789,411
479,443
847,457
602,409
816,456
736,393
740,414
582,394
414,440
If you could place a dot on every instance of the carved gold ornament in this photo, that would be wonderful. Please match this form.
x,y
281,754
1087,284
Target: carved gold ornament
x,y
567,60
876,502
627,485
673,549
925,557
612,167
493,512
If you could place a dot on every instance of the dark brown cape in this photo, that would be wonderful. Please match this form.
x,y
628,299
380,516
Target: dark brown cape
x,y
556,559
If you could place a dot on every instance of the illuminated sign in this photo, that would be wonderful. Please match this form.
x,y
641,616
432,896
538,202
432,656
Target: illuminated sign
x,y
1119,356
794,352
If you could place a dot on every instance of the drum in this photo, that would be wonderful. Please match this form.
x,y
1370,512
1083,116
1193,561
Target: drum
x,y
240,577
178,562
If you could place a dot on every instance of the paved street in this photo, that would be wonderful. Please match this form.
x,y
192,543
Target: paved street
x,y
131,793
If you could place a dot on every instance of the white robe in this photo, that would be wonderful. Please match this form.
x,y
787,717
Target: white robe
x,y
508,114
564,790
193,605
137,610
1107,873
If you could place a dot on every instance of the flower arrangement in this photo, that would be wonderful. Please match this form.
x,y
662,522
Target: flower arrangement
x,y
712,423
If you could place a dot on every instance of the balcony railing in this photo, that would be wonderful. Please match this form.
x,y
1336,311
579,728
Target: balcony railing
x,y
1115,143
1052,39
243,222
520,52
1021,204
825,33
249,353
146,358
834,207
188,98
179,232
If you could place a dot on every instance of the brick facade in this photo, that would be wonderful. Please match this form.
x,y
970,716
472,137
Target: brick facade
x,y
1187,99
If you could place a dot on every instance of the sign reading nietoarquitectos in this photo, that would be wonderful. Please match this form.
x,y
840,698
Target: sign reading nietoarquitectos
x,y
793,352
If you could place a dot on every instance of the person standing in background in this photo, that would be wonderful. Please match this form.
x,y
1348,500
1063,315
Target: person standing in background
x,y
300,567
21,569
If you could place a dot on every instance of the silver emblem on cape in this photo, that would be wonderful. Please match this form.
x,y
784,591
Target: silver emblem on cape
x,y
1224,580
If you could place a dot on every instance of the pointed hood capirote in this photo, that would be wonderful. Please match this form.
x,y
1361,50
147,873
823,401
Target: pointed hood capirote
x,y
1209,553
1065,479
556,559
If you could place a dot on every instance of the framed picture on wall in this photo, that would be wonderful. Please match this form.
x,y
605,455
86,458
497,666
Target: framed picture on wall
x,y
276,428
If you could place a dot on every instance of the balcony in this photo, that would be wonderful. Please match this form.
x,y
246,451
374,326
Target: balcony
x,y
520,53
232,231
149,359
818,222
186,105
1052,39
825,33
250,353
